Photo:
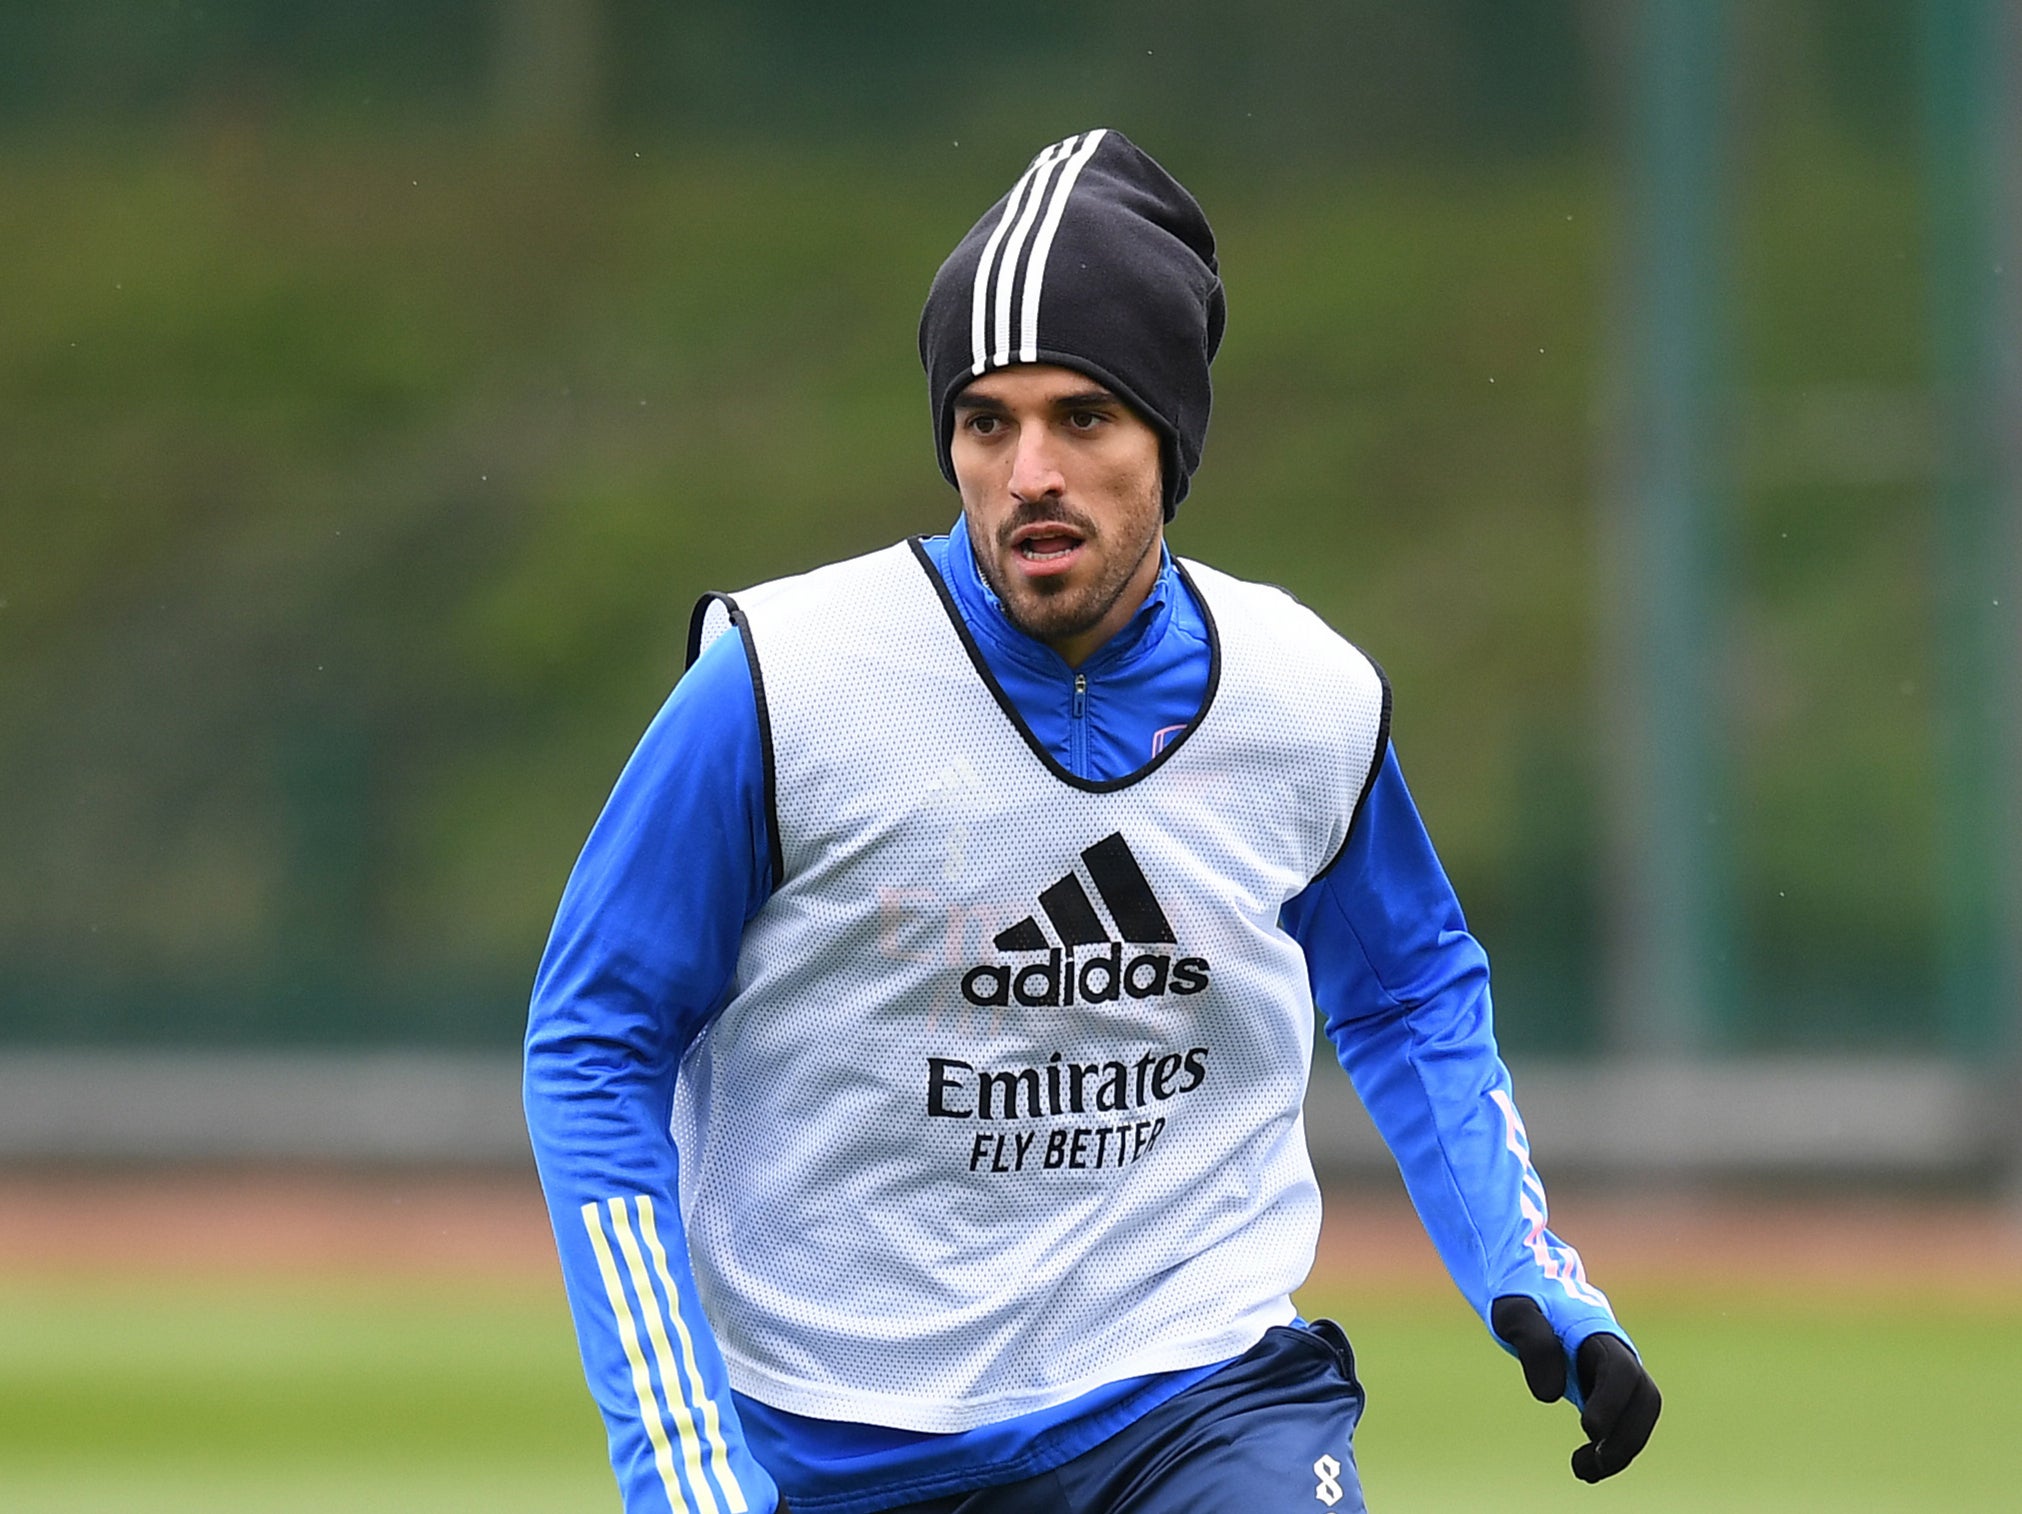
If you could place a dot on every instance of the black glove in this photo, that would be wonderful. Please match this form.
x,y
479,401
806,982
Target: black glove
x,y
1622,1400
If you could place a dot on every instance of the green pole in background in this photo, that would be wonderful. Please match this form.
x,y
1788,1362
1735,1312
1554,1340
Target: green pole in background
x,y
1969,62
1670,939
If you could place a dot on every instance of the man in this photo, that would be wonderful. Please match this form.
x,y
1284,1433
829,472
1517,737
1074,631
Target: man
x,y
962,914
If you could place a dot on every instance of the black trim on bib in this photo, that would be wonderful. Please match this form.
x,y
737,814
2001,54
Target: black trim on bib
x,y
698,617
743,628
1376,756
1086,785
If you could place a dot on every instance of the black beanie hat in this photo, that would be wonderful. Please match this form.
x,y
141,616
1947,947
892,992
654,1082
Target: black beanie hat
x,y
1099,260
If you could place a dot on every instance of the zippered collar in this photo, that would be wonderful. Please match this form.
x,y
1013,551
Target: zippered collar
x,y
984,614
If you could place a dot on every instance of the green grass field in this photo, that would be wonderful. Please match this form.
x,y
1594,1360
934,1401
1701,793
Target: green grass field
x,y
175,1396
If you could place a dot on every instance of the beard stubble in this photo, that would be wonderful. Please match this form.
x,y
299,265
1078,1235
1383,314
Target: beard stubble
x,y
1048,610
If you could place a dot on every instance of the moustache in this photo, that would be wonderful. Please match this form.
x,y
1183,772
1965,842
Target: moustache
x,y
1044,512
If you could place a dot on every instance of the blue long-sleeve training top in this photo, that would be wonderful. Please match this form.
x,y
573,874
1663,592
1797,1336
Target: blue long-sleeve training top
x,y
642,956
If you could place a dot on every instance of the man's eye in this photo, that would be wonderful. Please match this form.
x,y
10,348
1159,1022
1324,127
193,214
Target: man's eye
x,y
1085,420
982,425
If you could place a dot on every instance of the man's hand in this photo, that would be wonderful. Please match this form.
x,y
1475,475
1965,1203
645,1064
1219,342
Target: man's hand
x,y
1622,1401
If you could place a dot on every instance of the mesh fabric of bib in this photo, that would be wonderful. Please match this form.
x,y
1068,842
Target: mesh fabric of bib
x,y
1006,1100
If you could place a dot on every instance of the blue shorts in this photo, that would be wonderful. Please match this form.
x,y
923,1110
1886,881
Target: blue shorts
x,y
1274,1430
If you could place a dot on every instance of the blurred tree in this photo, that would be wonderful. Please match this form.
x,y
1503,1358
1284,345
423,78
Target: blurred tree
x,y
357,462
548,75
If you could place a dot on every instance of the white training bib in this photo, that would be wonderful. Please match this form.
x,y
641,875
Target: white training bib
x,y
1006,1102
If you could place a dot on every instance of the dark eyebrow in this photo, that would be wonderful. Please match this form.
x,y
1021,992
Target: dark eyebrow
x,y
980,402
1086,399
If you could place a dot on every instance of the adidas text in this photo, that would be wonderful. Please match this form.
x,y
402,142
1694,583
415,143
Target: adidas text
x,y
1102,976
1102,979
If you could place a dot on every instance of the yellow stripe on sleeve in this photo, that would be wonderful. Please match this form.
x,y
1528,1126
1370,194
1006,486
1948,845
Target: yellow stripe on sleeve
x,y
712,1427
663,1353
642,1380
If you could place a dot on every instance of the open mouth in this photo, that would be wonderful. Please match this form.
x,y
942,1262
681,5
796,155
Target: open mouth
x,y
1046,545
1046,548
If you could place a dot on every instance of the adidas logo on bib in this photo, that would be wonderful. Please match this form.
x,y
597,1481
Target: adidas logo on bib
x,y
1089,965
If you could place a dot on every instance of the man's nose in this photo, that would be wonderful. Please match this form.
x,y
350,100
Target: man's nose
x,y
1035,468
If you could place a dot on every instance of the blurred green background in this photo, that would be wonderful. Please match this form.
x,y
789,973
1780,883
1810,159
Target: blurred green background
x,y
383,382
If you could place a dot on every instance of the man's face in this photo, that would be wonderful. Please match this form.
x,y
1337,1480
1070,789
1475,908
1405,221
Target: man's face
x,y
1060,489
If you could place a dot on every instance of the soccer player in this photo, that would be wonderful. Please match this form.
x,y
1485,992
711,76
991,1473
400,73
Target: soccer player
x,y
915,1069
